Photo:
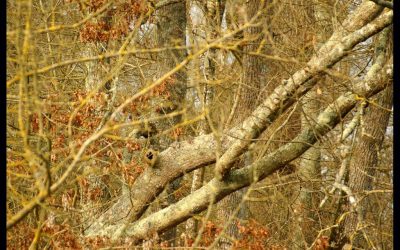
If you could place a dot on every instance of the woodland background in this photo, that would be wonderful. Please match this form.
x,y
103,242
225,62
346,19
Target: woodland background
x,y
199,124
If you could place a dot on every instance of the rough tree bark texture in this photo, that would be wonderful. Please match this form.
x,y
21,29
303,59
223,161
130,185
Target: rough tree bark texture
x,y
306,224
186,156
249,90
193,75
318,63
93,80
216,190
171,31
171,28
213,14
363,164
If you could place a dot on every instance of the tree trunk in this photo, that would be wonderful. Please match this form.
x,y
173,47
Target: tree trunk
x,y
213,12
171,27
176,161
305,215
247,100
362,170
363,164
95,74
260,169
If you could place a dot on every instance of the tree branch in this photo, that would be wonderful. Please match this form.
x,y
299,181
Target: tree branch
x,y
189,155
383,3
215,190
357,29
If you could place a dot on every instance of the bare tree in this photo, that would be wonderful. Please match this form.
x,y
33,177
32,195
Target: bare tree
x,y
365,157
127,118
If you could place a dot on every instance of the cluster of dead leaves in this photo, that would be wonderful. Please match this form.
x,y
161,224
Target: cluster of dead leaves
x,y
123,15
253,236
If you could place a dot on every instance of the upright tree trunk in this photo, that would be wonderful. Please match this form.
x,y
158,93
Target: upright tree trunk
x,y
247,100
305,214
194,66
95,74
363,164
362,170
213,12
171,27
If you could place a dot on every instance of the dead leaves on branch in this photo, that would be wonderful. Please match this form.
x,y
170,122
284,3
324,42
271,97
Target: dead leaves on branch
x,y
119,20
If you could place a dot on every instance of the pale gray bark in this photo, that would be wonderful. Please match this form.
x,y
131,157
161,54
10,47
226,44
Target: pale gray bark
x,y
194,66
304,209
329,54
384,3
213,14
365,156
186,156
235,180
